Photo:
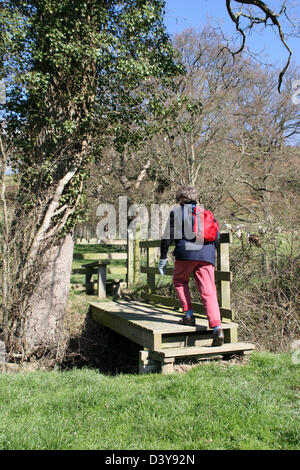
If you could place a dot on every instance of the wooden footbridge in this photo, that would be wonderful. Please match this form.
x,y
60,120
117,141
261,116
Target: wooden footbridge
x,y
152,322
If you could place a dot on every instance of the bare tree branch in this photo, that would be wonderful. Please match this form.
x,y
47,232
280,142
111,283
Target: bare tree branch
x,y
269,15
235,19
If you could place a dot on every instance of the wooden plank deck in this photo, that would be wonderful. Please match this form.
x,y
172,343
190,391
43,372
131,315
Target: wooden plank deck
x,y
157,329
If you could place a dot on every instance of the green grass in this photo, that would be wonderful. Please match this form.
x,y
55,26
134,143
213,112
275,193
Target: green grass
x,y
213,406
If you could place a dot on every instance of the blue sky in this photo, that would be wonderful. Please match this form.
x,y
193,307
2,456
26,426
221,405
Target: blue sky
x,y
182,14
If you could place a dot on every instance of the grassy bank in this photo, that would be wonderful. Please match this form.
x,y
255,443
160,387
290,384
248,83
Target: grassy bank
x,y
213,406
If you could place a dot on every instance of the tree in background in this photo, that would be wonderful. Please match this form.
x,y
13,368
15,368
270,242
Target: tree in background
x,y
269,130
224,111
194,147
73,71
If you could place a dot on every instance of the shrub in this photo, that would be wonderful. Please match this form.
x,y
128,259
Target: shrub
x,y
265,294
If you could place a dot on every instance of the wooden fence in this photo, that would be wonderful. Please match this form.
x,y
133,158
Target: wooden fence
x,y
139,251
223,275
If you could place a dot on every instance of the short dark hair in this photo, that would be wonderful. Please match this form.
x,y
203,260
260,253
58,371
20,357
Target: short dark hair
x,y
186,195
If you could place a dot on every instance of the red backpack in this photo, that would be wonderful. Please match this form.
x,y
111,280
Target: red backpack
x,y
209,230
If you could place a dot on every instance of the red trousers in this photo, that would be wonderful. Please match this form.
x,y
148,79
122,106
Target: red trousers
x,y
204,274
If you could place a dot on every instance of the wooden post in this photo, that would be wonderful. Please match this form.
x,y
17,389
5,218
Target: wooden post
x,y
150,277
89,286
223,265
137,258
167,365
147,363
130,258
101,284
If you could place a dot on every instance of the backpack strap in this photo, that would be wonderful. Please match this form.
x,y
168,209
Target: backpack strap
x,y
196,222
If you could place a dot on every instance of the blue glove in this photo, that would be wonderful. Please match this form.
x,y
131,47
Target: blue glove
x,y
162,266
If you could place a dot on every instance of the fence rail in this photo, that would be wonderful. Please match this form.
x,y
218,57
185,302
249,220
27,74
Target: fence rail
x,y
223,276
100,256
225,237
219,275
138,250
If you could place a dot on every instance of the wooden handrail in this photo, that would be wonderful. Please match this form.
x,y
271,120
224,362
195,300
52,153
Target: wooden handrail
x,y
223,276
219,275
224,238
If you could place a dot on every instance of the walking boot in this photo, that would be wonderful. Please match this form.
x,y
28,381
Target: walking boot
x,y
218,338
188,321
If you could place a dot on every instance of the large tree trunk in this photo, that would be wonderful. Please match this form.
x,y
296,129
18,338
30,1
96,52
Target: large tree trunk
x,y
44,328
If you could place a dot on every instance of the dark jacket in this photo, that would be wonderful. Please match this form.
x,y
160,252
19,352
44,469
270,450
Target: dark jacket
x,y
187,248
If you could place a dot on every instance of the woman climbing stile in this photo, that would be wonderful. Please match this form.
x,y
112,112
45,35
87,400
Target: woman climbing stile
x,y
192,257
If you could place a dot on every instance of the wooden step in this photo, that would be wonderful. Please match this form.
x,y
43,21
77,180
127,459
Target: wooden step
x,y
163,360
203,351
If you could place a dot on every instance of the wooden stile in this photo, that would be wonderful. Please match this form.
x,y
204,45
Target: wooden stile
x,y
223,276
223,265
154,323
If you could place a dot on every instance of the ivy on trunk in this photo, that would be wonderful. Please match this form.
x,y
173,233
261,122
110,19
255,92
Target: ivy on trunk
x,y
78,75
